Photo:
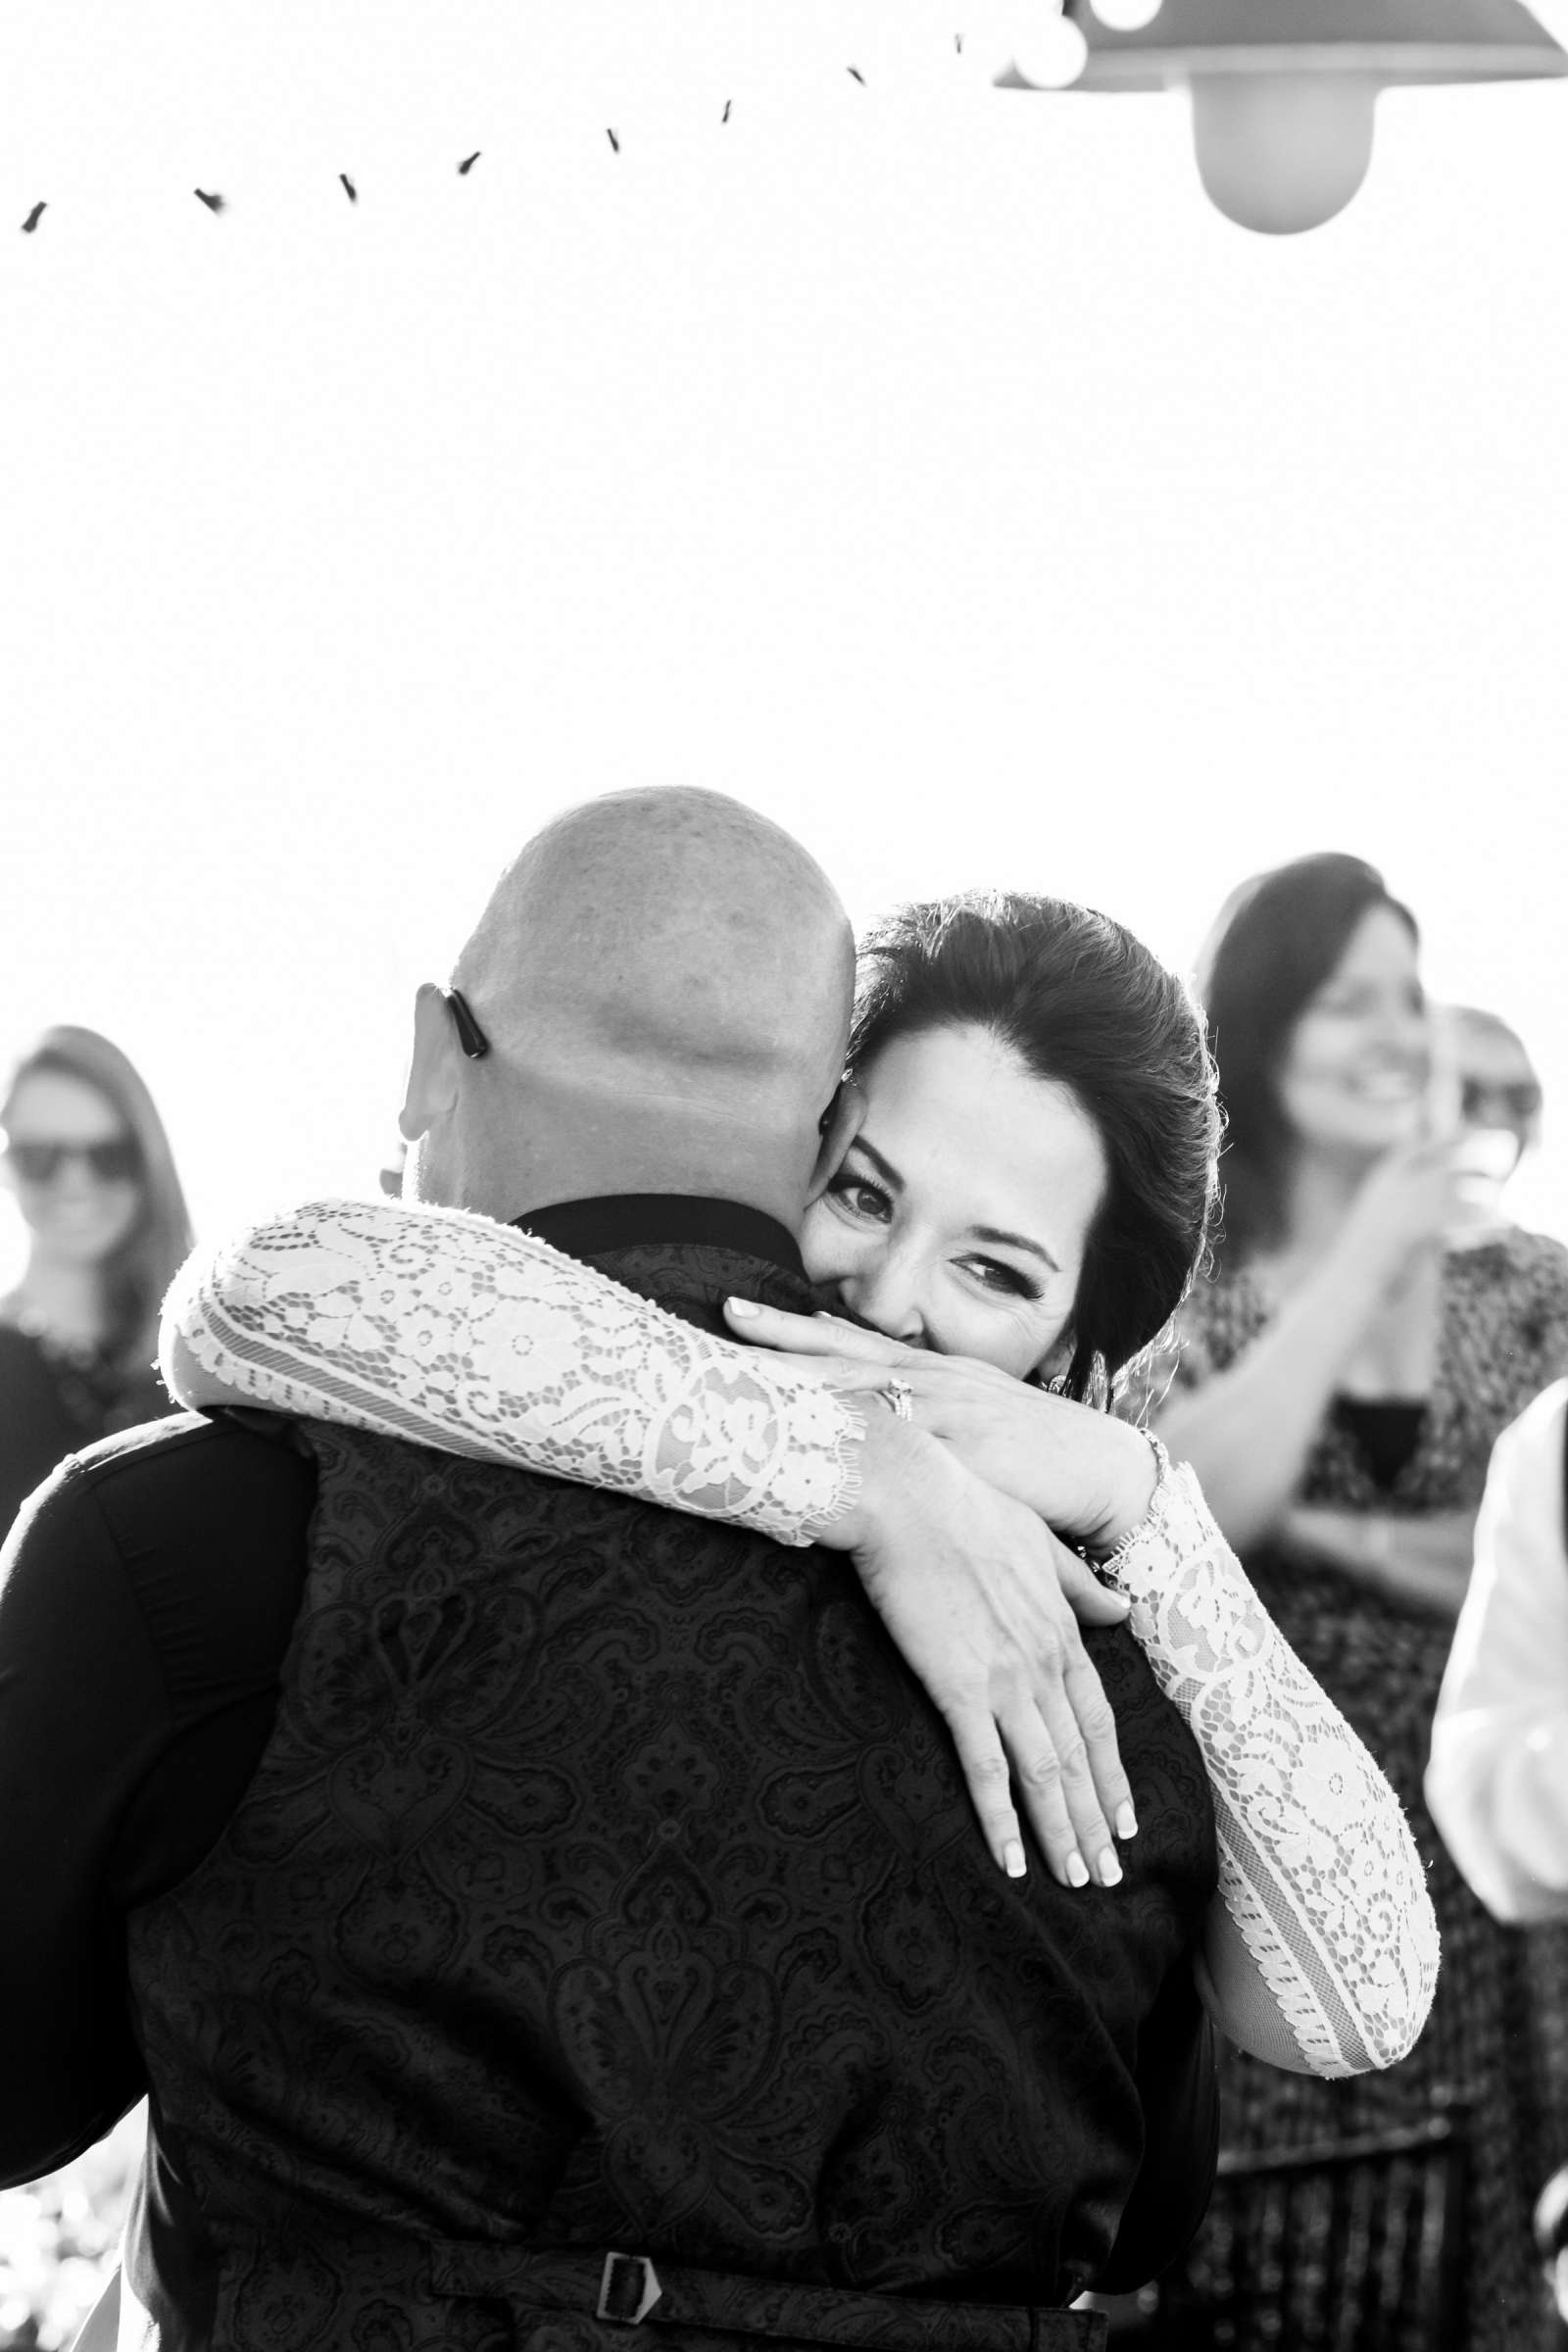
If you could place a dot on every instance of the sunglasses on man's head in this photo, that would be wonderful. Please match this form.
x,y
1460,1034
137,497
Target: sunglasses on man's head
x,y
117,1161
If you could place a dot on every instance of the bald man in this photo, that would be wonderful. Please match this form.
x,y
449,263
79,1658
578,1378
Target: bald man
x,y
530,1912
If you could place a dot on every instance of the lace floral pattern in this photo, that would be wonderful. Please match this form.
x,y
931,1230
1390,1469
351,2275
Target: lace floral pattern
x,y
453,1332
1318,1863
474,1337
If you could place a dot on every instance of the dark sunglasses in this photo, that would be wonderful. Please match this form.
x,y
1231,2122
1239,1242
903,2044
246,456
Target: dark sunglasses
x,y
117,1161
1519,1102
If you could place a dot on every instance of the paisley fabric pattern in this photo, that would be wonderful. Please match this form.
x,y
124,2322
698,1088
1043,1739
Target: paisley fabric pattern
x,y
609,1881
1498,2036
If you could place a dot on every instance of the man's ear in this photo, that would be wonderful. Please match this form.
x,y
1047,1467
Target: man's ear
x,y
433,1084
841,1124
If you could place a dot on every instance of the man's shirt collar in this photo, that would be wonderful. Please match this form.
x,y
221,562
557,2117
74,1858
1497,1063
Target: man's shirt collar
x,y
626,1220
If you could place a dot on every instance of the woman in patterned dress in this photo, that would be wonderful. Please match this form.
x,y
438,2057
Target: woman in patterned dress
x,y
1337,1384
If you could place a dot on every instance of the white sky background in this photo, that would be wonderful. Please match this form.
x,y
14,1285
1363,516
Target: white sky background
x,y
930,466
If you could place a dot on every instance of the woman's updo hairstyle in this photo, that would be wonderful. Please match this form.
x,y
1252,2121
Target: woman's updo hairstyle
x,y
1084,1004
1275,941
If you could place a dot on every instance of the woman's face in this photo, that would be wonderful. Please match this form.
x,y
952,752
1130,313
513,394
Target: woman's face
x,y
78,1210
1355,1072
958,1219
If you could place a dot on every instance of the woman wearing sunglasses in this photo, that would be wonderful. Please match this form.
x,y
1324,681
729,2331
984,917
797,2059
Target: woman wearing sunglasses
x,y
85,1155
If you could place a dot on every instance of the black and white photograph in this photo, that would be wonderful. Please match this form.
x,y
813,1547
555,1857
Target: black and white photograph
x,y
783,1176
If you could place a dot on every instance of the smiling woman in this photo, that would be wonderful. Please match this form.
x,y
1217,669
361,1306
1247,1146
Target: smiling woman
x,y
1339,1387
915,1245
1060,1249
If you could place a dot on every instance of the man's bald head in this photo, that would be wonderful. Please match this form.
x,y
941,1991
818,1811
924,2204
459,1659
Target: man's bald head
x,y
665,978
674,939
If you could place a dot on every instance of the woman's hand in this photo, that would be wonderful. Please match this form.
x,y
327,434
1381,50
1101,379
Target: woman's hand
x,y
971,1587
1409,1201
1090,1478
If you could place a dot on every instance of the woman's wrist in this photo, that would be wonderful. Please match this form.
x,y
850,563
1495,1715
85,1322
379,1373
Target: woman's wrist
x,y
1177,1529
1136,1519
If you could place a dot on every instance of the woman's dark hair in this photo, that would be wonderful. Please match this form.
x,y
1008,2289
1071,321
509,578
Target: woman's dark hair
x,y
1277,940
139,1270
1083,1004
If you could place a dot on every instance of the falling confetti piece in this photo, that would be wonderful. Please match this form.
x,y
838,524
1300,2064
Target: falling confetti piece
x,y
33,218
859,75
214,203
613,142
724,117
468,162
353,191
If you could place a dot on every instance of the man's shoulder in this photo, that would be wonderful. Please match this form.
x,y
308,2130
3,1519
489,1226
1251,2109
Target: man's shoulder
x,y
184,1474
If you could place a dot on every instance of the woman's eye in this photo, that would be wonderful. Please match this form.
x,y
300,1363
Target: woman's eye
x,y
1005,1279
860,1199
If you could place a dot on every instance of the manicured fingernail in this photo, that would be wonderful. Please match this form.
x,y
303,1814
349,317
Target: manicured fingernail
x,y
1077,1874
1126,1822
1109,1869
1012,1858
743,1306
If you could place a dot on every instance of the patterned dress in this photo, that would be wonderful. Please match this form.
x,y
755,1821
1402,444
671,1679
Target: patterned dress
x,y
1498,2036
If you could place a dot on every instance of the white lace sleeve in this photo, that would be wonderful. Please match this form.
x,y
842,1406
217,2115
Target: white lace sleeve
x,y
1322,1953
474,1337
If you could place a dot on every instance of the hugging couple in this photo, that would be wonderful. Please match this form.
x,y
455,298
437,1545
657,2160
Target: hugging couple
x,y
590,1797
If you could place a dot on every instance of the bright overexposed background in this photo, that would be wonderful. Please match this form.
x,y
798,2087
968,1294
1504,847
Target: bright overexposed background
x,y
927,465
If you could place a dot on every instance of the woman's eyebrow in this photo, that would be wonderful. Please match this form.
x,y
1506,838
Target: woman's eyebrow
x,y
884,1167
1015,1241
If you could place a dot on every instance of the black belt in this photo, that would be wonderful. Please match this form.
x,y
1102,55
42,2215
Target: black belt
x,y
634,2290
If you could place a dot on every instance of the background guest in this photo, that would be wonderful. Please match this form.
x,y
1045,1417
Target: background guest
x,y
85,1153
1498,1097
1497,1783
86,1157
1341,1380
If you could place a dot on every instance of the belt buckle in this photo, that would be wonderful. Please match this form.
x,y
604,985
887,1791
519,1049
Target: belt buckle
x,y
615,2290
